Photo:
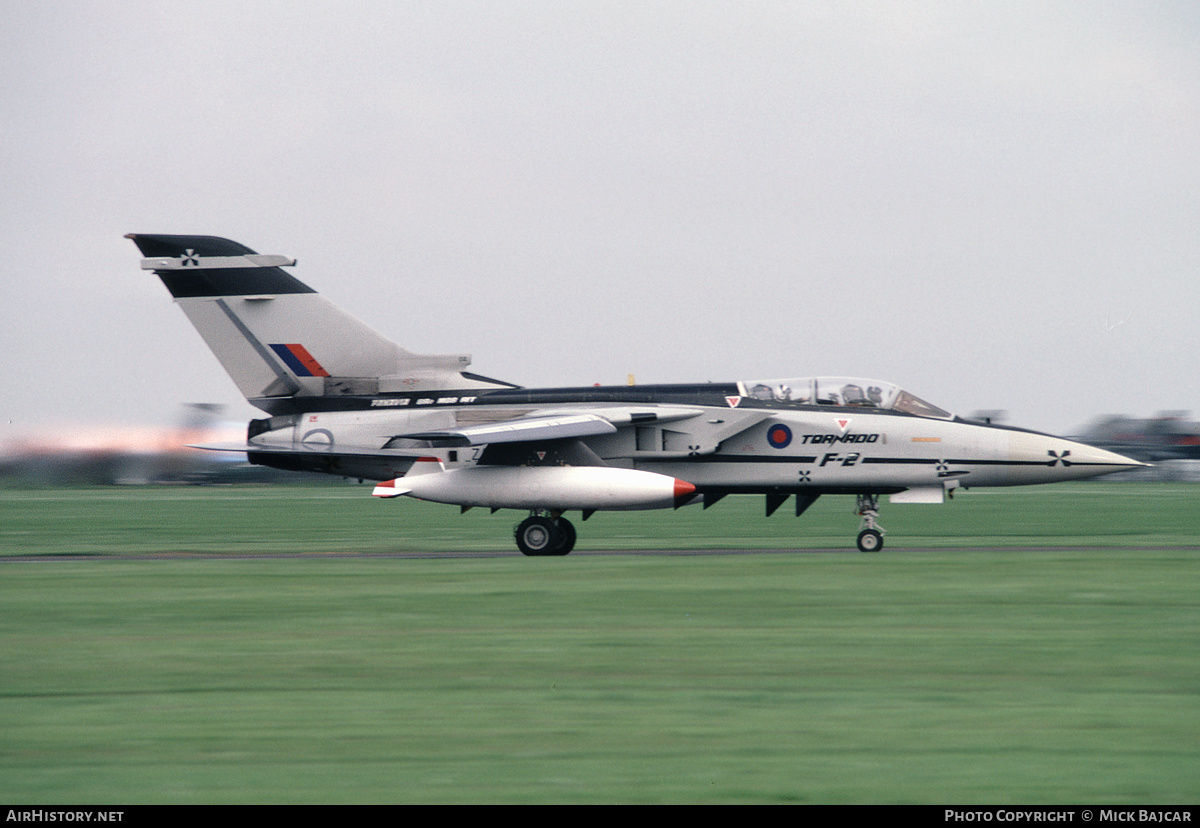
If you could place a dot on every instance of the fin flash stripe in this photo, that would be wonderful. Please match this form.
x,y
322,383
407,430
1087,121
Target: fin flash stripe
x,y
300,360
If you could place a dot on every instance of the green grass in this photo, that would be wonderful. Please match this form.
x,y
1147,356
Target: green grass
x,y
337,519
1015,675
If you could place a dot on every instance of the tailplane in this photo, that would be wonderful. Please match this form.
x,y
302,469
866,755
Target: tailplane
x,y
277,337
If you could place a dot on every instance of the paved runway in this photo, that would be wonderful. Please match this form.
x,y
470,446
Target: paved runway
x,y
578,553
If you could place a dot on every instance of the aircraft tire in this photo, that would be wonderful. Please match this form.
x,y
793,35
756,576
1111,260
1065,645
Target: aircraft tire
x,y
537,536
567,532
870,540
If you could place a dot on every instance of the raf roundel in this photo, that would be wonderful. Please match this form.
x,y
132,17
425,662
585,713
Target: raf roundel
x,y
779,436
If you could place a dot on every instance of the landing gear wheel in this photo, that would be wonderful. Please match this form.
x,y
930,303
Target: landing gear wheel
x,y
537,535
566,531
870,540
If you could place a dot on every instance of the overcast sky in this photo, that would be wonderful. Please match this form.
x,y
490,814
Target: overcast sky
x,y
995,205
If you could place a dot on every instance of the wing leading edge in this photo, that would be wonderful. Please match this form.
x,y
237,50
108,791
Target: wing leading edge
x,y
520,430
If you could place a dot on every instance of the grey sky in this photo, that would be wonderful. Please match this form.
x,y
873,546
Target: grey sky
x,y
995,205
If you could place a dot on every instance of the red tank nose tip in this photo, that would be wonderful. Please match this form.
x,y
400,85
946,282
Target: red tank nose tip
x,y
683,488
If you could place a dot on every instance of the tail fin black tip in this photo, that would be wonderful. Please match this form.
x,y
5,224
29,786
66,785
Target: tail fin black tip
x,y
153,245
210,266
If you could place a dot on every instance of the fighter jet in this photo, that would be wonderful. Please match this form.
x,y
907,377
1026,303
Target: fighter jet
x,y
344,400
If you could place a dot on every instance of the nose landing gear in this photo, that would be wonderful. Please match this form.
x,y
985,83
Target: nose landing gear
x,y
870,538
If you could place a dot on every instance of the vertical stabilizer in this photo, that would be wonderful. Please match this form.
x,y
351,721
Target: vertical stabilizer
x,y
277,337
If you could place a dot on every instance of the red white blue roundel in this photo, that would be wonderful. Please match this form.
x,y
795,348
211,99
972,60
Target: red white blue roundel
x,y
779,436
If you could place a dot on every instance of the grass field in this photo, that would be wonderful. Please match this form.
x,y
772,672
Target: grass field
x,y
337,519
986,656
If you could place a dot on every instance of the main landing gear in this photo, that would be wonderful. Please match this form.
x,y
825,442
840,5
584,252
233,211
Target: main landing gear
x,y
545,534
870,538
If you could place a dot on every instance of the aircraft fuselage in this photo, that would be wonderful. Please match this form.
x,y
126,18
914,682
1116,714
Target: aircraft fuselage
x,y
709,435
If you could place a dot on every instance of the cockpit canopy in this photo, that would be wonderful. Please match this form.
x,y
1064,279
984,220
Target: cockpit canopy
x,y
847,392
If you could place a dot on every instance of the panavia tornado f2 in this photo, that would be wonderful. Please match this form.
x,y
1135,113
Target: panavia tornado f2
x,y
344,400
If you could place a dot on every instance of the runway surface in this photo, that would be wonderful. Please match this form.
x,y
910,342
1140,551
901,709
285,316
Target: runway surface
x,y
578,553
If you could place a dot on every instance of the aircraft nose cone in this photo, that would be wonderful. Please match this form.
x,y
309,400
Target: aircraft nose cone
x,y
1030,457
1089,461
1103,457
